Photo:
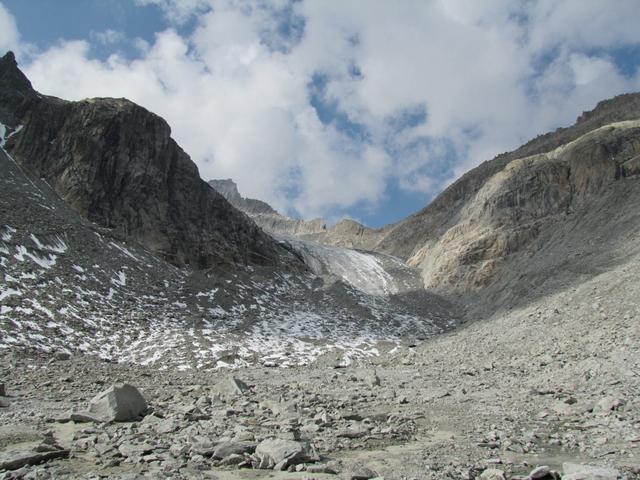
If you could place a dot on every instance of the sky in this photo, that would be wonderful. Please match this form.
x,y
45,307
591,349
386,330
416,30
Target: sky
x,y
364,109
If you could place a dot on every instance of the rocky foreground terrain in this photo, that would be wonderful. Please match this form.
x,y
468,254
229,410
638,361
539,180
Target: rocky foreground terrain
x,y
551,384
149,329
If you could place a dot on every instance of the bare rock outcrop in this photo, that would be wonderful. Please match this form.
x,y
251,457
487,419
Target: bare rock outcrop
x,y
407,237
116,164
481,230
517,209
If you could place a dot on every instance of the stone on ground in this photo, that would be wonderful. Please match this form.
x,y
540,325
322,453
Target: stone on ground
x,y
492,474
227,449
282,453
119,403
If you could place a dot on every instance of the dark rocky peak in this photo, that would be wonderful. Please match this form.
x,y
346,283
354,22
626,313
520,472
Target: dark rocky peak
x,y
11,77
15,90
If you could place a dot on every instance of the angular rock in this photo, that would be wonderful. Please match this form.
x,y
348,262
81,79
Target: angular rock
x,y
232,387
63,356
541,472
608,404
233,459
359,473
134,451
320,468
226,449
492,474
119,403
238,386
372,379
276,451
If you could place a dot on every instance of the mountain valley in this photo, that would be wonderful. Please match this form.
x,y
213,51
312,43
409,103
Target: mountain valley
x,y
492,335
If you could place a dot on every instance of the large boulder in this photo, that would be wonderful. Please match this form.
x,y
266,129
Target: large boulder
x,y
119,403
278,453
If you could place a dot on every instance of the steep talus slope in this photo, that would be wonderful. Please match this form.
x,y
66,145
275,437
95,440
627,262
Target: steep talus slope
x,y
68,284
116,164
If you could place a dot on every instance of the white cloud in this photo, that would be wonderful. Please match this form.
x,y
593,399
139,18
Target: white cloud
x,y
109,37
489,75
178,11
9,37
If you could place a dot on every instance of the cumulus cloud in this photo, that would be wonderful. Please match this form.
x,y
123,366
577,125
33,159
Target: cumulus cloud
x,y
318,106
9,37
178,11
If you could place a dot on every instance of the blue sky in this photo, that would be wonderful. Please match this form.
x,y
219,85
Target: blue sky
x,y
362,109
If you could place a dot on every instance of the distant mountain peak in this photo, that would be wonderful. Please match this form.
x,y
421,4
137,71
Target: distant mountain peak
x,y
229,190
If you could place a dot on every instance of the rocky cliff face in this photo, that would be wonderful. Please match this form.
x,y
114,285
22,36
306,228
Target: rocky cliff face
x,y
406,237
116,164
510,209
522,208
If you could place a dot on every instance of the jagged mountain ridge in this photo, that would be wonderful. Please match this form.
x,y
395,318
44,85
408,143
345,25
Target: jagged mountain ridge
x,y
265,216
116,164
346,233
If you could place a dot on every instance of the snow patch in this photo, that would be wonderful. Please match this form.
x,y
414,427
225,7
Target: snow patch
x,y
58,245
121,279
44,262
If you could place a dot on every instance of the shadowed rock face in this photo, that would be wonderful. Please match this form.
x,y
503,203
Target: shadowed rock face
x,y
116,164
